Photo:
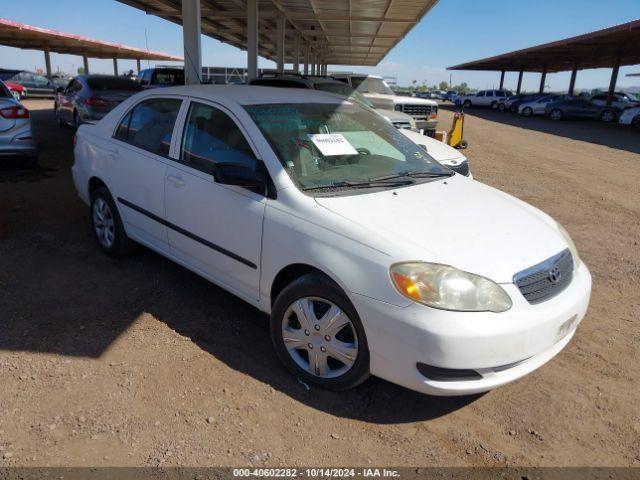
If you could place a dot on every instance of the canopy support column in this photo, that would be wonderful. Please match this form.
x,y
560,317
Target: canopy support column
x,y
501,80
519,82
306,59
280,48
614,80
296,54
138,64
47,61
572,82
252,39
85,61
115,67
191,28
543,79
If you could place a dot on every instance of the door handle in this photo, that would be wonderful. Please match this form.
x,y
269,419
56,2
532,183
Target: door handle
x,y
176,180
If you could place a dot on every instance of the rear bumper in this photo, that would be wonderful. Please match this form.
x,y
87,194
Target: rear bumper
x,y
21,143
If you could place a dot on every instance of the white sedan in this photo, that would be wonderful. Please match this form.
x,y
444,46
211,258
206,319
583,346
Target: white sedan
x,y
369,256
630,116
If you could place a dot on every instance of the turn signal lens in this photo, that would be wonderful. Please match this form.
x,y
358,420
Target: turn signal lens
x,y
447,288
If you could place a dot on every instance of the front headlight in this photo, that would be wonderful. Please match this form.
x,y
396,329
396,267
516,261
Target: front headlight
x,y
447,288
572,246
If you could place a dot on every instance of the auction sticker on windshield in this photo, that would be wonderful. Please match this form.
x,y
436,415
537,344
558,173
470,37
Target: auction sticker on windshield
x,y
331,144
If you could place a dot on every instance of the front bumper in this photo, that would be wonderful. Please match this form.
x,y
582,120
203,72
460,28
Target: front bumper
x,y
423,124
500,347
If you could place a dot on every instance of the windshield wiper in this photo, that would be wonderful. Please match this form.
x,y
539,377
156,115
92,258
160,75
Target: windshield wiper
x,y
415,174
380,182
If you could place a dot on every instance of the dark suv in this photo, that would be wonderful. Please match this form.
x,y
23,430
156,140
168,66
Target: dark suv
x,y
34,85
161,77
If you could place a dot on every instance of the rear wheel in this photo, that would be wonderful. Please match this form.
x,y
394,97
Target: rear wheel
x,y
636,121
502,107
555,114
494,105
527,111
107,225
466,104
607,116
318,335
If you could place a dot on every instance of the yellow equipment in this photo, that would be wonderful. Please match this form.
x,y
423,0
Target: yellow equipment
x,y
454,138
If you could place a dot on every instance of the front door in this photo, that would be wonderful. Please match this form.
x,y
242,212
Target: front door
x,y
216,229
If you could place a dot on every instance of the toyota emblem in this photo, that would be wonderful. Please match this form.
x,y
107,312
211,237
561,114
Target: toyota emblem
x,y
555,275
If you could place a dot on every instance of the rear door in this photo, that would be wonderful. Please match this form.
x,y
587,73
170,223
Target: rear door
x,y
216,229
141,150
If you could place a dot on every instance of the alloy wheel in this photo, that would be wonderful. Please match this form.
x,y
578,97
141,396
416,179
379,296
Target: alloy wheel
x,y
320,337
607,116
103,223
556,114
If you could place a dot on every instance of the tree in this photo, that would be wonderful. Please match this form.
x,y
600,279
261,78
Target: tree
x,y
80,70
444,86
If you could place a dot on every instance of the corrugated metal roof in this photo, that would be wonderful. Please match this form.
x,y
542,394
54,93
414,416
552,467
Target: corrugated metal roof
x,y
344,32
19,35
599,49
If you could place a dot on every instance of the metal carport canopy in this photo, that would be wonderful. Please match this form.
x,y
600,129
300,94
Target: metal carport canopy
x,y
19,35
340,32
618,45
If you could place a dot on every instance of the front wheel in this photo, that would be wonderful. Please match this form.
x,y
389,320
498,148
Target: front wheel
x,y
467,104
636,121
107,225
494,105
318,335
555,114
502,107
607,116
527,111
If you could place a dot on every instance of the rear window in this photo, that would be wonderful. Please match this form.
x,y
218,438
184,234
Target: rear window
x,y
168,77
4,91
115,83
265,82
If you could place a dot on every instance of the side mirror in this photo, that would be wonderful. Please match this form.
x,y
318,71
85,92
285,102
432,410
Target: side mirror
x,y
241,176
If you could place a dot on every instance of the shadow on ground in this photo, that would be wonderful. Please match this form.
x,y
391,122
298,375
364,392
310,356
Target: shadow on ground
x,y
621,137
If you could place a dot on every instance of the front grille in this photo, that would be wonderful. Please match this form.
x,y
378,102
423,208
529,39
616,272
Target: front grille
x,y
416,110
462,169
545,280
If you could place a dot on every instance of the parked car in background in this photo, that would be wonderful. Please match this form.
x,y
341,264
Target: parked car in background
x,y
16,134
330,85
484,98
578,108
451,96
425,112
88,98
34,85
621,100
441,152
512,103
536,107
630,116
18,91
314,210
61,79
161,77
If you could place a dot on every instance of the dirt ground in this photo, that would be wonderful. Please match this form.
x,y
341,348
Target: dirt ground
x,y
140,362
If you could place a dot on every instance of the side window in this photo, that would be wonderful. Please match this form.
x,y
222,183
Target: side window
x,y
480,93
211,137
150,125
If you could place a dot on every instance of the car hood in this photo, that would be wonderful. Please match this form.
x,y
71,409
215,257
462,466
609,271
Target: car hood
x,y
440,151
457,222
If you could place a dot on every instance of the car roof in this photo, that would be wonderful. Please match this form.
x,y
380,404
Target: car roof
x,y
248,94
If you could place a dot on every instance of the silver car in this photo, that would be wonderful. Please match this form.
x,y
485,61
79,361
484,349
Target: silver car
x,y
16,135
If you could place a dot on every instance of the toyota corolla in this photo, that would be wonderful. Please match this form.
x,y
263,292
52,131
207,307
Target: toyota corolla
x,y
369,256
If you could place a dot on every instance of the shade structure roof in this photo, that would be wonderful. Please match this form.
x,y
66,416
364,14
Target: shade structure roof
x,y
603,48
343,32
19,35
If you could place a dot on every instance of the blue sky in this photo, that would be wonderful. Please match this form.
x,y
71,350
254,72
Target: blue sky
x,y
454,31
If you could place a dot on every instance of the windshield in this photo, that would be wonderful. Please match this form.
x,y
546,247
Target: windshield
x,y
371,85
343,90
115,83
325,145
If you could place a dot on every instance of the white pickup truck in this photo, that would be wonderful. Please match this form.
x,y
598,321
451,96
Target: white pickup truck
x,y
425,112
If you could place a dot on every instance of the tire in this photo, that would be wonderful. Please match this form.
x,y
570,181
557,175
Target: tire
x,y
494,105
555,114
463,144
466,104
527,111
636,122
110,236
314,294
502,107
607,116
